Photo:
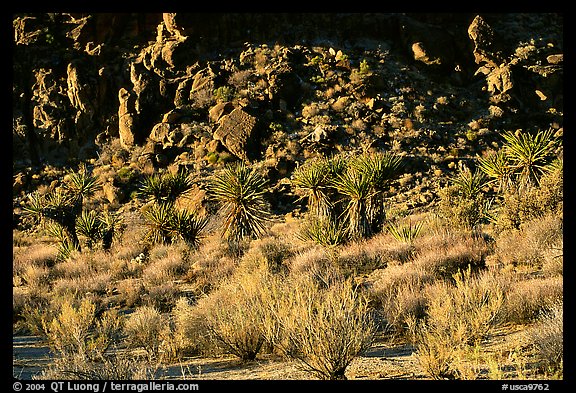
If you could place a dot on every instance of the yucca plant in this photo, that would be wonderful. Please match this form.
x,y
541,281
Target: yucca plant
x,y
239,190
312,179
188,227
468,183
159,222
166,187
112,225
530,154
357,189
56,207
380,168
89,225
497,167
80,185
326,232
66,247
405,234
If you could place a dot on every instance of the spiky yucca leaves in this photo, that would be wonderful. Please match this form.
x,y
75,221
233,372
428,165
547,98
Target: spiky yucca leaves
x,y
357,189
166,187
312,179
405,234
188,227
239,190
66,246
112,225
530,154
464,202
324,231
497,167
468,183
159,222
380,168
56,207
80,185
89,225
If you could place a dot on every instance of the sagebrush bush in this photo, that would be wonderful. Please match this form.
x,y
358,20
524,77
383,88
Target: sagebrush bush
x,y
528,245
548,337
532,202
323,328
526,298
231,315
76,330
445,254
143,329
398,291
459,316
114,367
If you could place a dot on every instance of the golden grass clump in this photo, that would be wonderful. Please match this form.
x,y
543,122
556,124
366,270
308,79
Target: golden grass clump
x,y
443,255
529,246
547,335
230,317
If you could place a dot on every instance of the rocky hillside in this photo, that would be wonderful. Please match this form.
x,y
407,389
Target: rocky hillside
x,y
137,93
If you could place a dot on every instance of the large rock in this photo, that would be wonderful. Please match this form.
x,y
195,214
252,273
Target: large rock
x,y
126,121
237,132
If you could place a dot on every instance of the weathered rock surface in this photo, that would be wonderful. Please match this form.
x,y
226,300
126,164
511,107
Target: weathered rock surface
x,y
237,132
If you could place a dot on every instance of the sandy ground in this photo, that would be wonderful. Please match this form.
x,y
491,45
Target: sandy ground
x,y
31,355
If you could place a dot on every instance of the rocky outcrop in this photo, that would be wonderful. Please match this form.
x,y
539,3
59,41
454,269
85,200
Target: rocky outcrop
x,y
174,83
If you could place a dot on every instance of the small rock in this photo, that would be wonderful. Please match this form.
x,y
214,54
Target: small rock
x,y
555,59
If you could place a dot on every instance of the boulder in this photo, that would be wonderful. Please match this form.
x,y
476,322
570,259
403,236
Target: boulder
x,y
126,121
236,132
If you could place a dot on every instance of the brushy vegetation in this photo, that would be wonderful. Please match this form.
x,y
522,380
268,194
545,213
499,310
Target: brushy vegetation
x,y
318,289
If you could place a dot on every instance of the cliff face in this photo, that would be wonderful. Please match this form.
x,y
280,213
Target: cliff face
x,y
174,86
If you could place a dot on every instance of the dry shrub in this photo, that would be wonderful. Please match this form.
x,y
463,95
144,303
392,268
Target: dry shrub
x,y
190,335
93,283
162,296
324,328
398,292
269,253
529,246
130,292
76,330
232,315
553,260
548,337
130,244
36,254
443,255
527,298
315,263
113,367
143,329
164,266
535,202
36,278
210,265
459,317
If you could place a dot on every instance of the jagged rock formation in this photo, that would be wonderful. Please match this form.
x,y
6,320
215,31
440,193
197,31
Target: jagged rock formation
x,y
192,89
